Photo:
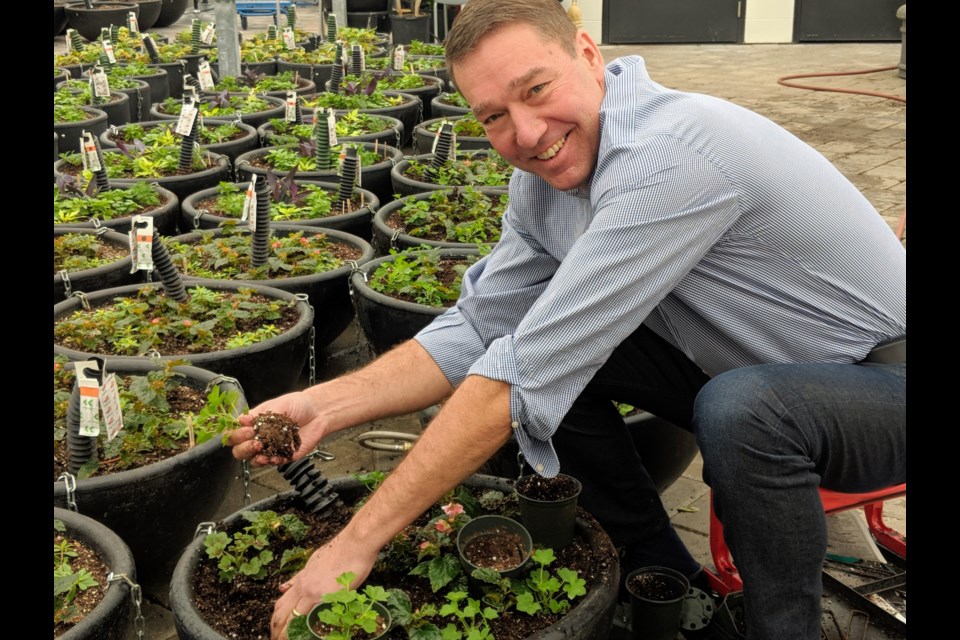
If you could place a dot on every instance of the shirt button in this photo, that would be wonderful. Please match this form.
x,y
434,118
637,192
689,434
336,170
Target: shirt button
x,y
540,468
515,424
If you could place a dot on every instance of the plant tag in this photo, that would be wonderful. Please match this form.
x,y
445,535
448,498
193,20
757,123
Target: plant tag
x,y
188,114
290,111
110,403
91,162
205,75
132,23
332,127
89,398
206,36
250,204
101,86
108,49
399,57
141,243
288,40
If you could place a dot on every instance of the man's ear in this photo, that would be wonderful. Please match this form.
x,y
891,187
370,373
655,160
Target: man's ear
x,y
588,50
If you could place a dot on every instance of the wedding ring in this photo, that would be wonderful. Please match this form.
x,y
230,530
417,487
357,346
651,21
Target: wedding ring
x,y
296,614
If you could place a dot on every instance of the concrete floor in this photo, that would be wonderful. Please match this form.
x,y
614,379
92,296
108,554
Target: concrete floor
x,y
865,137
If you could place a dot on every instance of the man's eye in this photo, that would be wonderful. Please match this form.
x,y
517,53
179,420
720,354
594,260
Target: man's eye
x,y
491,119
538,88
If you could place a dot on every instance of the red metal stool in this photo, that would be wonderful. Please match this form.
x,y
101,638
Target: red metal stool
x,y
726,578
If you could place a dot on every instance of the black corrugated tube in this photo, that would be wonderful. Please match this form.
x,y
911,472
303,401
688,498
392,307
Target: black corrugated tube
x,y
322,137
195,36
187,142
311,487
102,181
151,49
272,32
356,60
444,142
291,16
80,449
76,43
169,276
348,174
114,33
188,79
260,242
331,28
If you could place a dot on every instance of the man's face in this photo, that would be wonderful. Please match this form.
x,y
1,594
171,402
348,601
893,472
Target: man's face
x,y
539,106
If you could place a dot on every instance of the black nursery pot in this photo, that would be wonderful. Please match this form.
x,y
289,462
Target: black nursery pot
x,y
156,508
109,620
656,600
105,276
493,525
550,522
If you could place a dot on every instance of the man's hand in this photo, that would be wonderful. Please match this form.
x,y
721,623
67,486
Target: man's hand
x,y
300,407
319,576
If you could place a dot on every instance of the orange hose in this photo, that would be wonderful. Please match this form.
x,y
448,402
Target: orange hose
x,y
783,81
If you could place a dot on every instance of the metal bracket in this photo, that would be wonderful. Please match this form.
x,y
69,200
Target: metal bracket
x,y
70,482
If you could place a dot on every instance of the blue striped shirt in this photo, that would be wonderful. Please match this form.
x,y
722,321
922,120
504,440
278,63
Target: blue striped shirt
x,y
721,231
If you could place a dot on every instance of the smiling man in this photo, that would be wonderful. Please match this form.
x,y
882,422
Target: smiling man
x,y
669,250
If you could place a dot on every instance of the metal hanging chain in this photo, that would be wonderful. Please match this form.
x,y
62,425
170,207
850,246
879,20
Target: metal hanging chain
x,y
154,355
313,334
222,379
70,482
245,475
136,597
206,528
83,299
67,290
520,464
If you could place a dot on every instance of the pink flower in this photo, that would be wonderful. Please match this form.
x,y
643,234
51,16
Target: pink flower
x,y
276,244
187,323
443,526
304,241
424,545
155,321
453,509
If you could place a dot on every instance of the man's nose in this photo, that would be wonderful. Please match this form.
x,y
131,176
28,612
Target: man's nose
x,y
529,127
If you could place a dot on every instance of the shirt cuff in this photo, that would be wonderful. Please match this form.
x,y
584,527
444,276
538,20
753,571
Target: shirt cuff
x,y
452,343
500,363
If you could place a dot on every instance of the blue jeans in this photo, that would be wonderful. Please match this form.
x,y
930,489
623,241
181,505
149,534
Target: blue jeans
x,y
769,436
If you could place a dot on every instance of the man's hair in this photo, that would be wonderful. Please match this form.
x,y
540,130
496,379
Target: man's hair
x,y
479,18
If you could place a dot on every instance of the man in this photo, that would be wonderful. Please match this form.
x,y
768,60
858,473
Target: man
x,y
669,250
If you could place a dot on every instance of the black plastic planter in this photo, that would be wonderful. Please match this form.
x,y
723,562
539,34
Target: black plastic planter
x,y
254,118
265,369
115,274
391,134
656,600
149,13
404,185
386,321
495,526
266,67
373,177
327,292
443,109
423,137
156,508
170,12
590,619
109,620
229,148
88,22
313,619
195,215
159,88
69,132
407,28
164,217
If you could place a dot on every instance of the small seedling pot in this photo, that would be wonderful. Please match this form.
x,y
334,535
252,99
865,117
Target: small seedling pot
x,y
313,619
550,522
656,600
492,525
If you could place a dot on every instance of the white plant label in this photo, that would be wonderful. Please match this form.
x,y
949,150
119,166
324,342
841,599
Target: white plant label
x,y
399,57
101,85
332,127
132,23
206,36
188,114
250,204
205,75
288,40
90,160
110,403
290,111
89,399
108,49
141,243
